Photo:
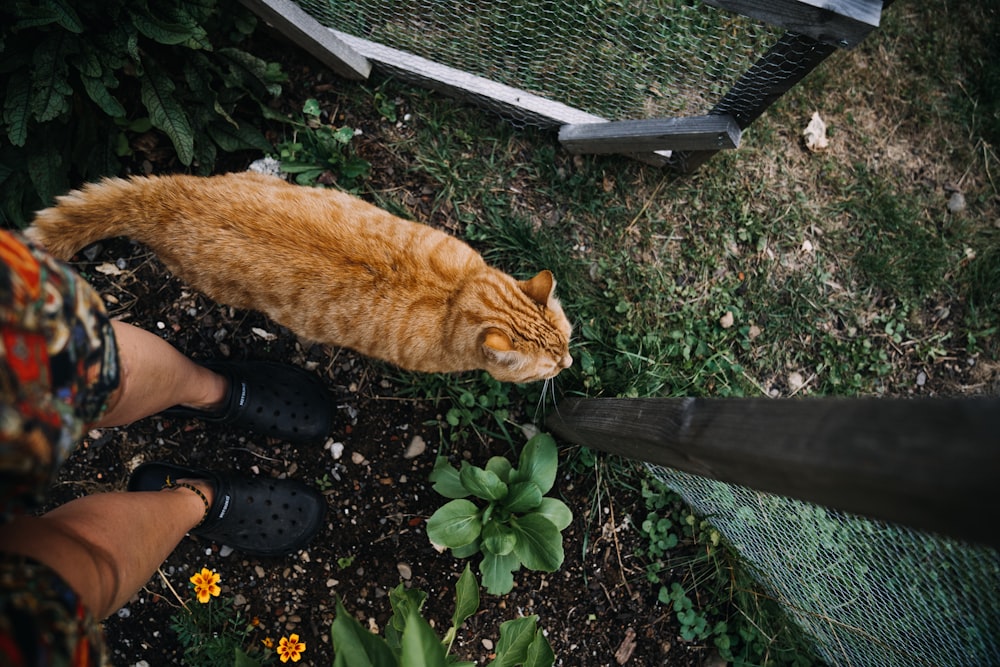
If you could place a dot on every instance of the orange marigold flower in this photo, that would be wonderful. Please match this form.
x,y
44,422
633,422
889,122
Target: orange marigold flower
x,y
290,648
206,585
267,642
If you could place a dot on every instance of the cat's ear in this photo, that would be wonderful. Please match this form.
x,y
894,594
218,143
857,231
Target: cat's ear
x,y
496,340
539,289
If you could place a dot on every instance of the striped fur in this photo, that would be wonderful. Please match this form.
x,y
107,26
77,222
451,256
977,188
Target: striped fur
x,y
330,267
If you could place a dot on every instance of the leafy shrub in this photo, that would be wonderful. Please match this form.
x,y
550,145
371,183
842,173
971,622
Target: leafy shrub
x,y
514,524
80,78
409,638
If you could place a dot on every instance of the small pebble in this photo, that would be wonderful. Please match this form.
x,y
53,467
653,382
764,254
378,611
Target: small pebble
x,y
921,379
124,612
727,320
337,450
416,447
225,550
259,570
405,571
357,458
488,644
956,203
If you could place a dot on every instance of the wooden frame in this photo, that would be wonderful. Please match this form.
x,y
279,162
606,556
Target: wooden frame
x,y
816,29
842,23
932,464
633,136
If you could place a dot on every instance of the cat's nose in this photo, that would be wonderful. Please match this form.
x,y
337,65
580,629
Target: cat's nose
x,y
566,361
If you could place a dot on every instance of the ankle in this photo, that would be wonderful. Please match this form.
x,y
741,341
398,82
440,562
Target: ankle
x,y
213,391
198,489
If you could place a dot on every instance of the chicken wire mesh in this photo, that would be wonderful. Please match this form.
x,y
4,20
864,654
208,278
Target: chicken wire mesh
x,y
866,592
616,60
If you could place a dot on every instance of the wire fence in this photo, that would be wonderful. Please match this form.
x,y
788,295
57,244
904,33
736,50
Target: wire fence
x,y
866,592
615,60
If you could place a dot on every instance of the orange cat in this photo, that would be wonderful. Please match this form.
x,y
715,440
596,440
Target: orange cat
x,y
330,267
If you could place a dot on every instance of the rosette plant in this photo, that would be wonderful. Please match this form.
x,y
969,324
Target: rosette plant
x,y
501,512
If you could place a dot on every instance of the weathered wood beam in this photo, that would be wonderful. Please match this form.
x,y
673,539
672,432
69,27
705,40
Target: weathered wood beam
x,y
932,464
463,85
842,23
302,29
693,133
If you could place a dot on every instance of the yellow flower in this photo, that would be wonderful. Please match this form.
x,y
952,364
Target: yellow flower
x,y
206,584
290,648
267,642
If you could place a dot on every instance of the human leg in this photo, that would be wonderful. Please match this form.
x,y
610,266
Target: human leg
x,y
156,376
107,546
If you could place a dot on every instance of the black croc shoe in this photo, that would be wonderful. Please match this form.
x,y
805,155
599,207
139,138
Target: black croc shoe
x,y
271,399
259,516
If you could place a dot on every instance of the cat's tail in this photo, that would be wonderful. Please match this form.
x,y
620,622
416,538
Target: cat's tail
x,y
111,207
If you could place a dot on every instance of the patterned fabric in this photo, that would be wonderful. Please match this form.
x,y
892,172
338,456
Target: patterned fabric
x,y
58,365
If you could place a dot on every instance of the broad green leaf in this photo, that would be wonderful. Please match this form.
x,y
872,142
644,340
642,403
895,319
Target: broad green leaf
x,y
44,169
498,539
470,549
231,139
420,646
47,12
402,600
466,597
163,32
482,483
355,646
98,92
455,524
252,73
501,466
165,112
498,572
444,475
50,90
17,107
523,497
539,653
311,107
538,462
555,511
515,637
539,544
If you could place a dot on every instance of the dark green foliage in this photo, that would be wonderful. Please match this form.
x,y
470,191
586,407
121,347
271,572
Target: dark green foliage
x,y
81,79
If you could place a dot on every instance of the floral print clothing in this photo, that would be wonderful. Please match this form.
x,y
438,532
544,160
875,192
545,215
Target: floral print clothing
x,y
58,366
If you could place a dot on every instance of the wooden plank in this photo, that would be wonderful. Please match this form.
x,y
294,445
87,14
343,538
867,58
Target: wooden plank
x,y
932,464
302,29
632,136
463,85
842,23
784,65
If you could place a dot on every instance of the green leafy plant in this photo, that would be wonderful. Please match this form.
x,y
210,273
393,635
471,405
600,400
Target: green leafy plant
x,y
82,79
410,640
320,154
513,524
